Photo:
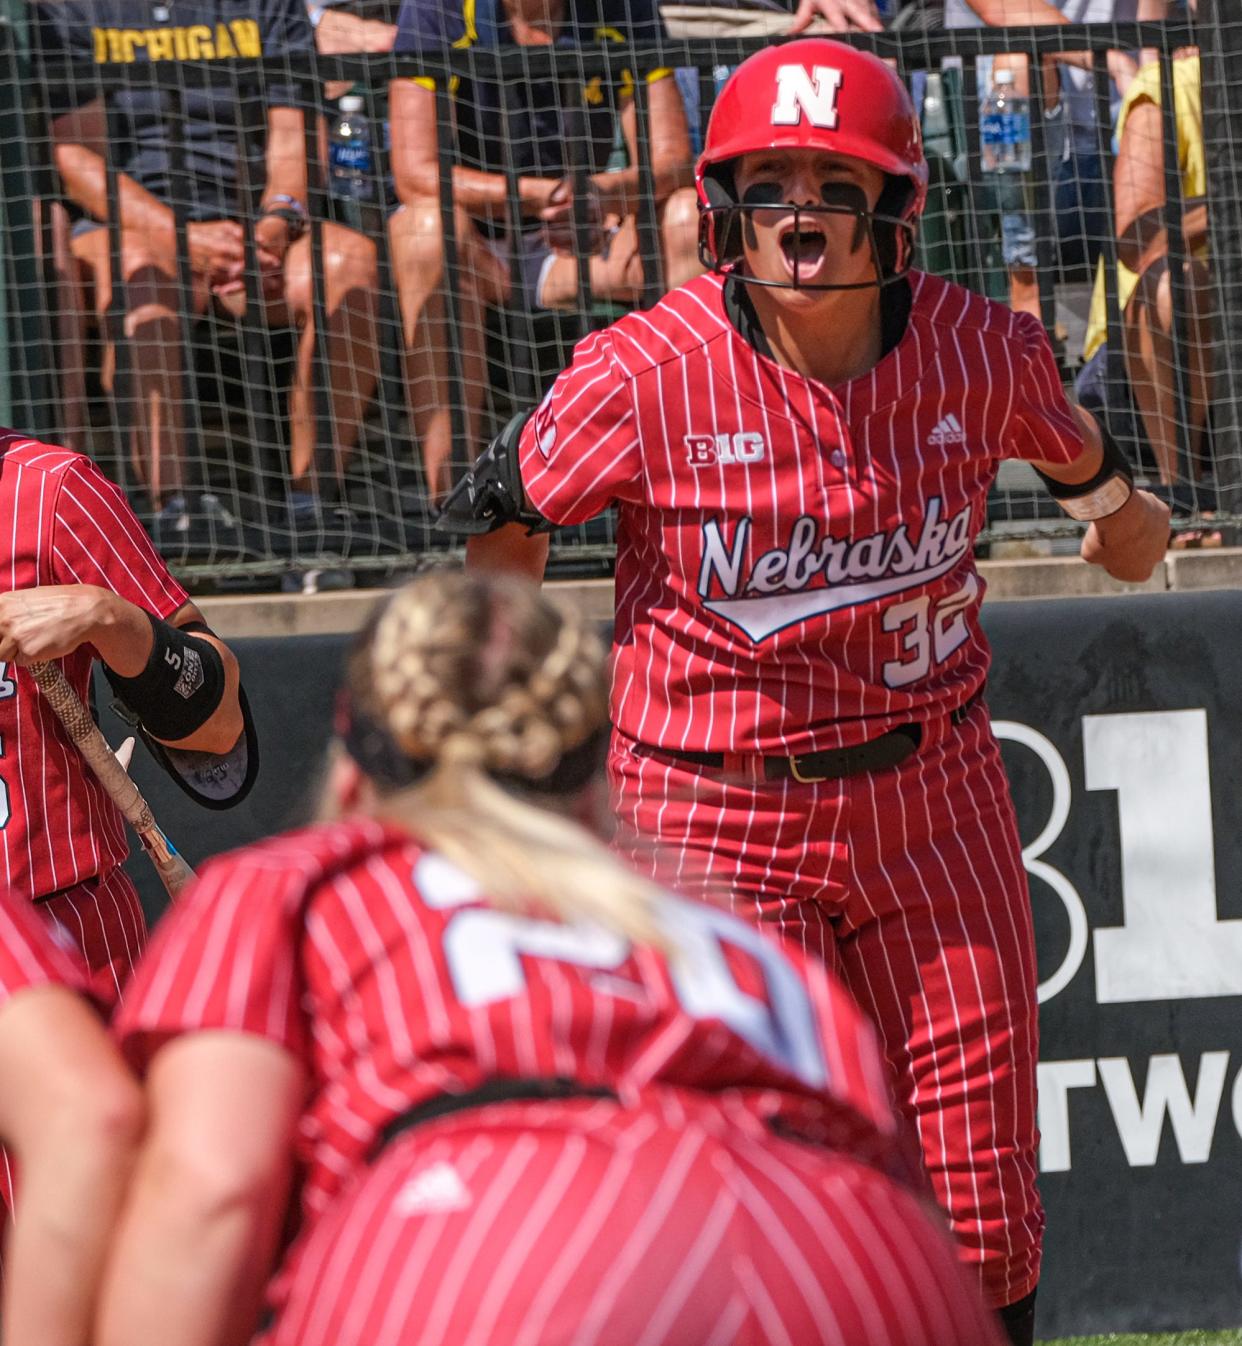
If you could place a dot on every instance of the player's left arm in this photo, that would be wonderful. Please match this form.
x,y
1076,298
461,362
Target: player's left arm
x,y
1082,466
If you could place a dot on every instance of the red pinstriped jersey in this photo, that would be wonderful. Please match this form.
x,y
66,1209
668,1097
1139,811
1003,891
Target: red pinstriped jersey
x,y
65,523
29,954
385,971
794,561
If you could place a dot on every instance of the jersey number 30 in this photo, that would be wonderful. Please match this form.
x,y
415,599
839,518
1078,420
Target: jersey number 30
x,y
484,948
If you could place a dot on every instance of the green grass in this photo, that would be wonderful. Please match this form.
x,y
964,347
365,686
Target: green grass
x,y
1169,1339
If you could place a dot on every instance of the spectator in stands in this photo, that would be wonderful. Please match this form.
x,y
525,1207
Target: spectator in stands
x,y
1144,281
1079,206
345,27
199,32
536,148
839,16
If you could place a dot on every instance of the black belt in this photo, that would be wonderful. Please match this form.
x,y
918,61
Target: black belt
x,y
89,884
876,754
502,1090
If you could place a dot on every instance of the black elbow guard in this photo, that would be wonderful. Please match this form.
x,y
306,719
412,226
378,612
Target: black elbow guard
x,y
176,694
181,687
490,495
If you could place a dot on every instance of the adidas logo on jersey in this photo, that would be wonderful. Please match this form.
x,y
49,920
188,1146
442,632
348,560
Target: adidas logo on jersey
x,y
435,1190
948,431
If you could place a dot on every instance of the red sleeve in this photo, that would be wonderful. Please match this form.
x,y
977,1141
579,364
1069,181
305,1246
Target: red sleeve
x,y
29,954
1042,428
97,540
227,956
580,450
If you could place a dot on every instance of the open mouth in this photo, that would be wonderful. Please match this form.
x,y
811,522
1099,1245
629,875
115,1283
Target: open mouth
x,y
803,247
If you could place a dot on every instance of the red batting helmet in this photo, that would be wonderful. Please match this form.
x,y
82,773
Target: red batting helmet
x,y
813,94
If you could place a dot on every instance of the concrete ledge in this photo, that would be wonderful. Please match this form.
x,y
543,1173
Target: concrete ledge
x,y
1061,577
1031,578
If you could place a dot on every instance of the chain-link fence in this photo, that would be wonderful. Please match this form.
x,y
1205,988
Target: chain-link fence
x,y
284,298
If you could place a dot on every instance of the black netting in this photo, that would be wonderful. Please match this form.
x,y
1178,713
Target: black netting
x,y
268,416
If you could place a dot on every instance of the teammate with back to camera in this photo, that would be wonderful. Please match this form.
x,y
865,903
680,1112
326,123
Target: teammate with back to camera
x,y
533,1098
800,446
80,580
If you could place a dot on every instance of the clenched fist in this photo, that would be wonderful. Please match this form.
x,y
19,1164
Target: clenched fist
x,y
1132,542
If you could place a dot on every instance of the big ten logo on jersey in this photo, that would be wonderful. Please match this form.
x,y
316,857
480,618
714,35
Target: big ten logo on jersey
x,y
812,95
1172,943
743,446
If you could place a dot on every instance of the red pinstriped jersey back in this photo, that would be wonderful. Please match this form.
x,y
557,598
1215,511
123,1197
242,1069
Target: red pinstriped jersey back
x,y
389,975
794,561
64,523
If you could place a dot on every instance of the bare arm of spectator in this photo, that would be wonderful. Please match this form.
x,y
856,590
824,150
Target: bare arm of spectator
x,y
416,162
616,193
1138,193
1037,13
841,16
285,163
340,33
79,140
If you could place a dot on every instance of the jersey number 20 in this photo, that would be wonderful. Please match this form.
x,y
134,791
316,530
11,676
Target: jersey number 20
x,y
484,948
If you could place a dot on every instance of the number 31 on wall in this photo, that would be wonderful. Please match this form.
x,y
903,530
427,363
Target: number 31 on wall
x,y
1172,944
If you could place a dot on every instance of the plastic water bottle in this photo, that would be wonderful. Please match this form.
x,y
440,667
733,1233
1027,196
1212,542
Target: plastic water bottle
x,y
1005,128
349,153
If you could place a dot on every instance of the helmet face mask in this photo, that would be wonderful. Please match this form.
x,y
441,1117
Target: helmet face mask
x,y
723,234
813,95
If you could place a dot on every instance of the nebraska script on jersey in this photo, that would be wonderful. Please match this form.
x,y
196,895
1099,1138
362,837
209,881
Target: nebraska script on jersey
x,y
794,562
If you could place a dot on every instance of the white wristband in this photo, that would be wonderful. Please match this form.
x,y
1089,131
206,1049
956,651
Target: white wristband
x,y
1106,499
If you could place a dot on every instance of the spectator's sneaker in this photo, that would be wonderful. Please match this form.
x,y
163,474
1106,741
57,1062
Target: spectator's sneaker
x,y
317,580
318,525
172,522
213,512
304,510
197,527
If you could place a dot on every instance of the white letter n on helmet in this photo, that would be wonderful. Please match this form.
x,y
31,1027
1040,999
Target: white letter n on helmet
x,y
798,93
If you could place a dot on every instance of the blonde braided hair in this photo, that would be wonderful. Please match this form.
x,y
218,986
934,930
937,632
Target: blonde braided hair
x,y
483,675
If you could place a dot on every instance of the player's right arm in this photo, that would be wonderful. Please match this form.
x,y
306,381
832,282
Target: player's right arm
x,y
106,587
565,462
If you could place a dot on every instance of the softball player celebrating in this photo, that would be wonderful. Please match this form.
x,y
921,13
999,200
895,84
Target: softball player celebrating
x,y
800,446
534,1099
71,1114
